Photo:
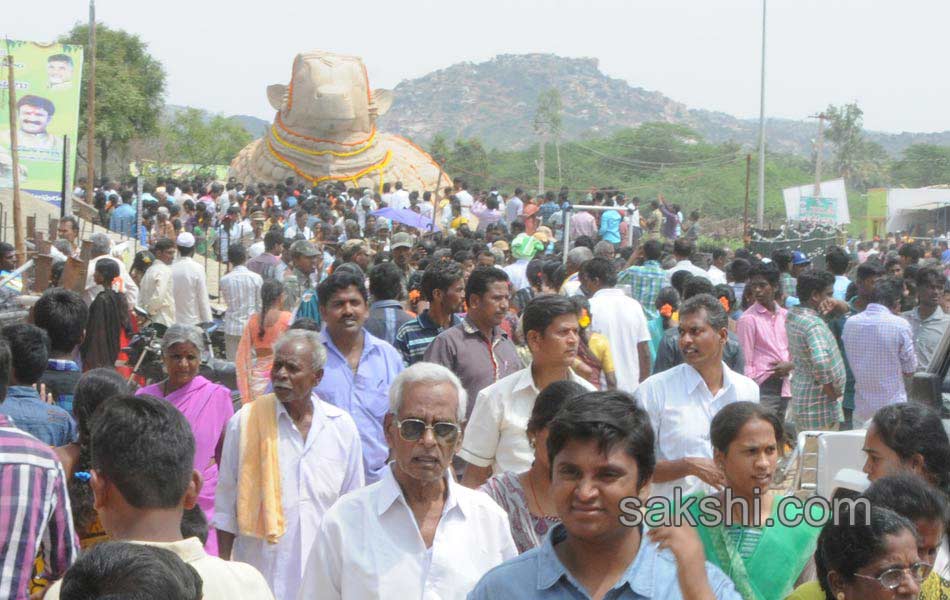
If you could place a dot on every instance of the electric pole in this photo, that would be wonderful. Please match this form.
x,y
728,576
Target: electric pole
x,y
540,163
819,148
760,212
91,110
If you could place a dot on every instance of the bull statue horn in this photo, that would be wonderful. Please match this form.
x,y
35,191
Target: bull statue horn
x,y
382,101
277,95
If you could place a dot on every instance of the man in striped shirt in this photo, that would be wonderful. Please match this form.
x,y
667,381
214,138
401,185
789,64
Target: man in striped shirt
x,y
241,291
443,285
647,280
818,377
34,505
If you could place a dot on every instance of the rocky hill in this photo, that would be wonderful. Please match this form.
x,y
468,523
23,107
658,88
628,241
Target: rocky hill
x,y
496,101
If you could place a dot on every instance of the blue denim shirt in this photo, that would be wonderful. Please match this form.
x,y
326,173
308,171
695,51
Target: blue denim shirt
x,y
123,220
46,422
538,573
365,395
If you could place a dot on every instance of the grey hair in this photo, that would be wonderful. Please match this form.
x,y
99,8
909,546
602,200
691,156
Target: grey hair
x,y
318,353
604,249
578,256
177,334
101,244
425,372
716,315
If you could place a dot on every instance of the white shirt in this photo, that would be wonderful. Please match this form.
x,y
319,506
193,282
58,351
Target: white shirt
x,y
156,293
292,231
681,409
255,249
716,275
622,320
518,274
190,289
685,265
465,202
495,435
369,546
400,199
314,473
220,579
241,291
130,290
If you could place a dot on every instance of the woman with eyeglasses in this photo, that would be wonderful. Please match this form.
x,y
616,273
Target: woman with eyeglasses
x,y
524,496
762,555
910,496
874,559
910,438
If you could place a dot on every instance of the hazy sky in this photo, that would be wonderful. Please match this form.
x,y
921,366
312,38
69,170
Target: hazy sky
x,y
888,56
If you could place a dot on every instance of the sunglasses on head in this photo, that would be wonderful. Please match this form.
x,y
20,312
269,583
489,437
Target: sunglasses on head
x,y
412,430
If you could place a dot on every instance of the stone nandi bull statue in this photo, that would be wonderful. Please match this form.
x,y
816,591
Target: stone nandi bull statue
x,y
325,131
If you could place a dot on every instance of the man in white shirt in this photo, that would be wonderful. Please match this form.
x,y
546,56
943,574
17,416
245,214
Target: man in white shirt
x,y
682,401
683,251
415,533
400,197
514,207
241,292
495,436
717,273
157,296
319,457
102,247
621,319
465,199
189,285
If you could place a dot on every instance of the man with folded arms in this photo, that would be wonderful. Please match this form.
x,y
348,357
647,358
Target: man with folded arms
x,y
287,457
415,533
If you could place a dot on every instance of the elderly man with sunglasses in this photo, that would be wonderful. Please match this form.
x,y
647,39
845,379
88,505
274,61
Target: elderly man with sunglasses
x,y
415,533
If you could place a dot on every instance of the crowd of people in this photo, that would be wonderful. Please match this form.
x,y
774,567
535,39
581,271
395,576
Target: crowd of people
x,y
463,410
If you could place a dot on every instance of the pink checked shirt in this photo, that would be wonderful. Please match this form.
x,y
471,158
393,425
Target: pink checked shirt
x,y
764,342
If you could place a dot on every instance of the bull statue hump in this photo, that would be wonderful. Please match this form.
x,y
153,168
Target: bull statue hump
x,y
325,130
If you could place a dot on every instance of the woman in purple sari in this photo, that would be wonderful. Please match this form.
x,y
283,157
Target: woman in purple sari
x,y
206,405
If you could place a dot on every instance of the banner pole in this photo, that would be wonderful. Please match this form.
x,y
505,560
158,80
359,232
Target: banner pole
x,y
63,209
91,111
18,242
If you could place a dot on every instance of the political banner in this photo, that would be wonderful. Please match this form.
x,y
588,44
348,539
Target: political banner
x,y
817,209
48,79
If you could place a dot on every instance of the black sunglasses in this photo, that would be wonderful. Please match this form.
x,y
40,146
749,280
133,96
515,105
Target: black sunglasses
x,y
412,430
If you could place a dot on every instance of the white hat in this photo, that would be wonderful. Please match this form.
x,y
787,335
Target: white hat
x,y
185,240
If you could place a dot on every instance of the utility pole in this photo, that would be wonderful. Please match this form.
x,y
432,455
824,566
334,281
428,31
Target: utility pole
x,y
760,213
819,148
19,245
540,163
91,110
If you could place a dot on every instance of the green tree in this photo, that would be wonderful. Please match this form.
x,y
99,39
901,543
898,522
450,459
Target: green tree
x,y
470,161
130,88
547,124
862,163
922,165
439,148
194,138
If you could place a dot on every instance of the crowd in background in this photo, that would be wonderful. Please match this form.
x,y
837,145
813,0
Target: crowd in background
x,y
459,409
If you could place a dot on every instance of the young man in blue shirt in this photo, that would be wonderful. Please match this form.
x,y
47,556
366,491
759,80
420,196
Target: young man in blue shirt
x,y
601,448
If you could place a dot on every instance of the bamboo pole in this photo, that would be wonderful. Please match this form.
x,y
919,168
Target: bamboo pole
x,y
91,111
18,242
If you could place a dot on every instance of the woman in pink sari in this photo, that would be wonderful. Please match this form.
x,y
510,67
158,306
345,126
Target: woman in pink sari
x,y
255,353
207,407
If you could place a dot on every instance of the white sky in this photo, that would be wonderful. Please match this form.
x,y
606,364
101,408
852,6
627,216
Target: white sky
x,y
888,56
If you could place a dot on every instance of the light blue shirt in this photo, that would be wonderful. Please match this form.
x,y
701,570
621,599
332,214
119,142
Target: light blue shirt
x,y
365,395
841,287
538,573
610,226
123,220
